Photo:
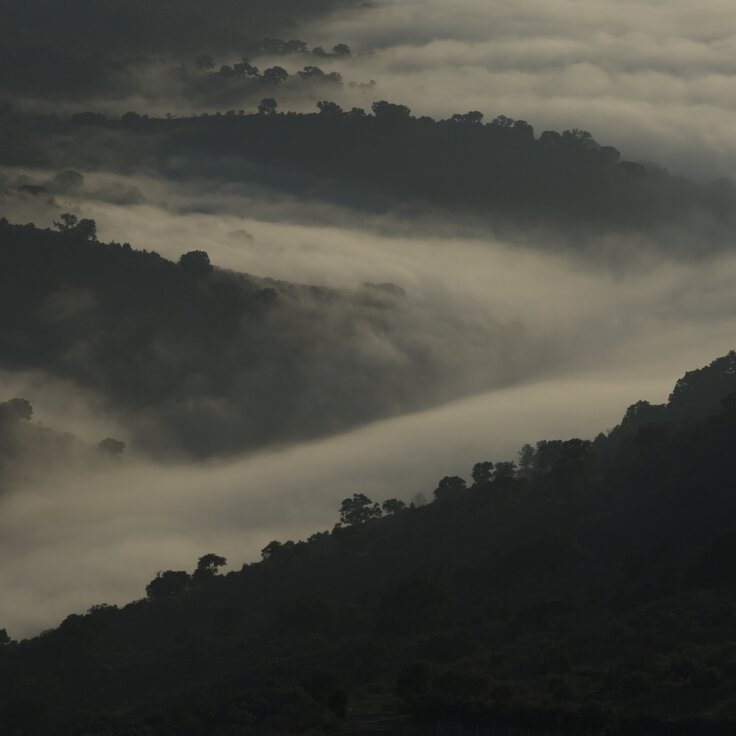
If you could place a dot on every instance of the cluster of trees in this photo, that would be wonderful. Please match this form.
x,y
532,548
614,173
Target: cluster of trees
x,y
31,450
70,225
541,597
16,410
276,75
280,47
359,509
173,583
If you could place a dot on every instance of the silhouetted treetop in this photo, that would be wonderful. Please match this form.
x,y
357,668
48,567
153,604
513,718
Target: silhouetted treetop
x,y
167,584
16,409
209,564
195,263
112,446
358,509
70,224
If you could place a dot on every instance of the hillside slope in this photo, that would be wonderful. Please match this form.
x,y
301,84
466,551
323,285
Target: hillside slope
x,y
589,589
198,360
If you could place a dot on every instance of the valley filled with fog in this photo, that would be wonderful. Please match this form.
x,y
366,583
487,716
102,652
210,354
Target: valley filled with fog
x,y
526,337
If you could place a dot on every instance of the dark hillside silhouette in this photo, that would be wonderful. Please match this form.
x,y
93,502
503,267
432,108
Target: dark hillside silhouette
x,y
386,159
194,359
578,593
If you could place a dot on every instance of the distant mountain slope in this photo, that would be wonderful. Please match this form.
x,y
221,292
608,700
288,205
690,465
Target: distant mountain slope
x,y
573,594
204,361
498,172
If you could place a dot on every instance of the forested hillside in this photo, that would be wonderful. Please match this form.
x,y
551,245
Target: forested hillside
x,y
199,360
588,588
384,160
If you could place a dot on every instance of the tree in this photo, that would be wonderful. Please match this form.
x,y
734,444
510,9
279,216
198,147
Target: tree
x,y
86,229
389,111
329,109
66,222
341,49
4,638
272,550
474,116
275,75
449,486
315,74
112,446
501,121
527,459
204,61
505,470
393,506
16,409
577,135
70,224
267,106
245,69
208,566
167,584
482,472
523,130
195,263
358,510
562,456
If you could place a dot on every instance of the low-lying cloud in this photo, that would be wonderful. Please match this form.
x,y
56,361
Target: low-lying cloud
x,y
653,79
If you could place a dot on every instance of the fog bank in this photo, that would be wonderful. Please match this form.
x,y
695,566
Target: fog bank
x,y
653,79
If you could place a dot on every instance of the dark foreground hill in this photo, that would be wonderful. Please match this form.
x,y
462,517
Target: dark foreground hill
x,y
589,589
